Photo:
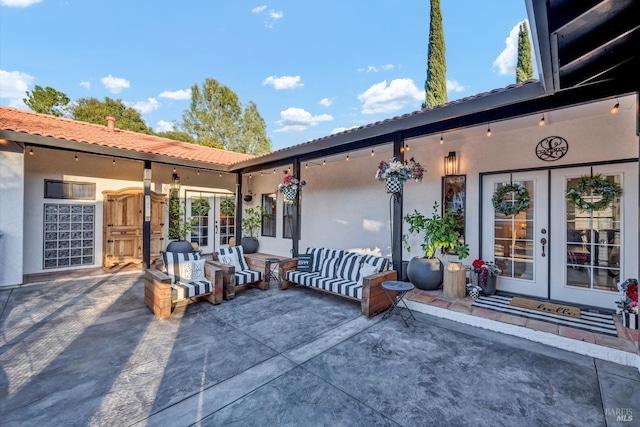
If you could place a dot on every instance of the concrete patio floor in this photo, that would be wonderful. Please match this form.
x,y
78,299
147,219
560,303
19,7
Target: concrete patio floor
x,y
86,351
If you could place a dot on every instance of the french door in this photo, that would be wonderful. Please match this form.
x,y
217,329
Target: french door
x,y
555,250
214,228
518,243
594,249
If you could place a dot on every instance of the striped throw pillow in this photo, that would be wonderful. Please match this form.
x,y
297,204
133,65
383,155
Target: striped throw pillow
x,y
239,252
172,262
349,267
317,258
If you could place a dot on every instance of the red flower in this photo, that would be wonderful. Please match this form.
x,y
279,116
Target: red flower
x,y
632,292
477,264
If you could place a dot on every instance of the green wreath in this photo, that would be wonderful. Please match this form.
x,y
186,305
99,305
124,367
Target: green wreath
x,y
521,201
227,207
593,185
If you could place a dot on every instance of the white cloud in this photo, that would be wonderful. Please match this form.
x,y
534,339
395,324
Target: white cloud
x,y
114,84
505,63
18,3
326,102
176,95
13,85
387,67
381,98
372,68
284,82
297,119
144,106
270,17
454,86
164,126
259,9
86,85
342,129
375,68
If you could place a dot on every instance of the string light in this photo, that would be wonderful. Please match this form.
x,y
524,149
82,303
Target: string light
x,y
174,169
373,153
541,122
441,139
31,151
347,159
76,157
220,175
274,171
198,172
306,165
324,162
402,149
261,173
114,162
406,147
250,176
488,130
615,107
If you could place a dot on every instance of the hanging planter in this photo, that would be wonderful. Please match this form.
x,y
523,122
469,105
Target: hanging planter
x,y
290,193
520,203
290,186
394,185
589,186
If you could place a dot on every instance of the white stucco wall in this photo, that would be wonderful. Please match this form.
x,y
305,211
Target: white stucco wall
x,y
343,206
11,217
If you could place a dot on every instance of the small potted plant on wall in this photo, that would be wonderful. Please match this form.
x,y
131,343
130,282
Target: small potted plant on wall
x,y
251,222
439,232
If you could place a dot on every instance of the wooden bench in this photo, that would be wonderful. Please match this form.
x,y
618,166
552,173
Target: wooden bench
x,y
157,288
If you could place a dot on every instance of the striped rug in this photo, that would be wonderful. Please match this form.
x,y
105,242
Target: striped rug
x,y
592,321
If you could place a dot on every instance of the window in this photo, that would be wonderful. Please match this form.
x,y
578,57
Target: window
x,y
287,219
55,189
200,221
269,217
68,235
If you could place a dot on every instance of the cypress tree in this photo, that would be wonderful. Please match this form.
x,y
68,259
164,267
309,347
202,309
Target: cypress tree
x,y
436,84
524,69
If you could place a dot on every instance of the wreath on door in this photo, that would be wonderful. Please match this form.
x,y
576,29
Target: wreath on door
x,y
589,186
508,207
227,207
200,206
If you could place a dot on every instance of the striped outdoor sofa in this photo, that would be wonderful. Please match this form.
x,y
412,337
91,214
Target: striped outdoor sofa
x,y
176,277
347,274
239,272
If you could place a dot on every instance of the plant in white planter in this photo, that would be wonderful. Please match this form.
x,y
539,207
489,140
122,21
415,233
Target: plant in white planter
x,y
179,226
439,232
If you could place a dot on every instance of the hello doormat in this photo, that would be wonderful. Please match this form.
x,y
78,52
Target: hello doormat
x,y
590,319
546,307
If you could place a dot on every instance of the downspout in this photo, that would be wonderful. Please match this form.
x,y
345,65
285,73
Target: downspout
x,y
295,236
396,223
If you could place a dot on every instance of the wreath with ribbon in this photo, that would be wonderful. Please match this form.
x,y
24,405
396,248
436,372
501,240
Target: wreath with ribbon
x,y
521,202
595,185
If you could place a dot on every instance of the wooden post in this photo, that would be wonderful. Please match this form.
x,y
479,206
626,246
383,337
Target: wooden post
x,y
146,216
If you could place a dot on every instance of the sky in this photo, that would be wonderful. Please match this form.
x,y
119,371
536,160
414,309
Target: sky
x,y
313,67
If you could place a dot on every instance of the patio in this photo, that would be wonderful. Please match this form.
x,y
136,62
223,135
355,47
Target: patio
x,y
86,351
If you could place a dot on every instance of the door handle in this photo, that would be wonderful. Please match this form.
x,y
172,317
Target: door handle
x,y
543,241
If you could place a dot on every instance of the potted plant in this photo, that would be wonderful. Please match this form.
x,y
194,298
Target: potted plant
x,y
179,227
251,222
394,173
628,304
439,232
290,186
487,273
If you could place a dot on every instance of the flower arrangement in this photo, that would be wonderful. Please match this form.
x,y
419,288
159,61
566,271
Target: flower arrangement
x,y
628,304
289,182
407,170
485,269
629,301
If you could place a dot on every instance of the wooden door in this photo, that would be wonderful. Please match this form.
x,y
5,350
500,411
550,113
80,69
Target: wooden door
x,y
157,224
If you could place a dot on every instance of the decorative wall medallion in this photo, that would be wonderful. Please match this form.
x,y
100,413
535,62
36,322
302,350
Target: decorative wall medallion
x,y
552,148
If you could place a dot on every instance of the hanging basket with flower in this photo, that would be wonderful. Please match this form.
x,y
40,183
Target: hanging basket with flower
x,y
290,186
395,173
590,187
628,304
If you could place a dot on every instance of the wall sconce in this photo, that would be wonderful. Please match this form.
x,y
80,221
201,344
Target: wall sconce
x,y
175,182
450,164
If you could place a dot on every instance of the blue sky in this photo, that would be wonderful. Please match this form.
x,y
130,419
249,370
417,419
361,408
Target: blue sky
x,y
313,67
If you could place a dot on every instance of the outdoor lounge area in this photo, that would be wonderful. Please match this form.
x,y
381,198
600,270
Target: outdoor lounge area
x,y
275,358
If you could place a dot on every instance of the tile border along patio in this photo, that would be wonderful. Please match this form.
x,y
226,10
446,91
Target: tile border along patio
x,y
573,345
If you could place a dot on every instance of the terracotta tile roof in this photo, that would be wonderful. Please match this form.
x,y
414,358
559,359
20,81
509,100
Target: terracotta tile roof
x,y
28,122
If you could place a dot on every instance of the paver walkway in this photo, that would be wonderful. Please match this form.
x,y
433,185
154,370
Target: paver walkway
x,y
88,352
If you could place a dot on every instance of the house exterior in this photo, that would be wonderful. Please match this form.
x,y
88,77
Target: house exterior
x,y
550,250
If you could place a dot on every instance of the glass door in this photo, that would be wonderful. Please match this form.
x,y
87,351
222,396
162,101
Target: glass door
x,y
594,248
518,243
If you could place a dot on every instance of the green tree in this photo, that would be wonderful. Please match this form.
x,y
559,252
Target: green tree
x,y
47,101
95,111
176,135
524,69
254,138
436,84
216,119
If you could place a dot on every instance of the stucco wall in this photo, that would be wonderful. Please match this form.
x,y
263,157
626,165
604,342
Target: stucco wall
x,y
11,217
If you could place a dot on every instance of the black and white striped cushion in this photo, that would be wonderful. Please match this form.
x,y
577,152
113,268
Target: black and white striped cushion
x,y
172,262
247,276
301,277
339,286
349,267
239,253
187,289
317,258
329,266
379,262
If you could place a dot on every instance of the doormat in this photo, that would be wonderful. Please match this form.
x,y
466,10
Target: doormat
x,y
546,307
590,320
